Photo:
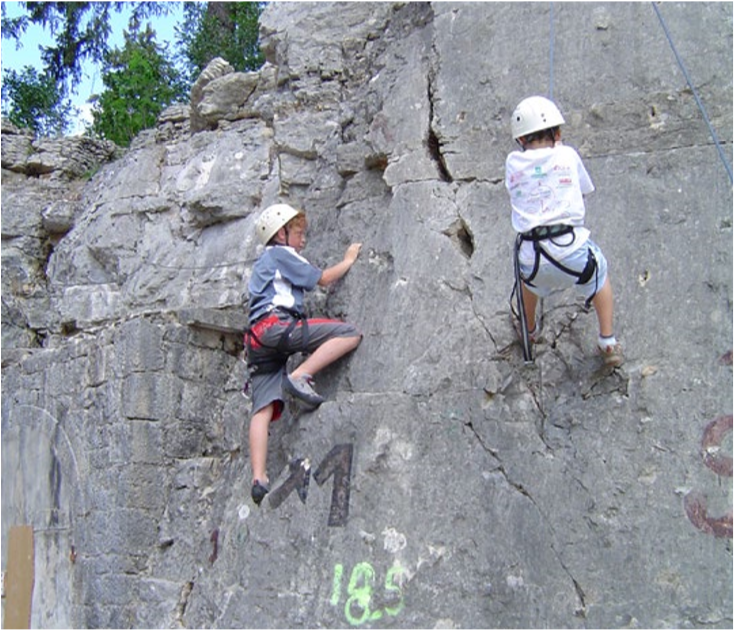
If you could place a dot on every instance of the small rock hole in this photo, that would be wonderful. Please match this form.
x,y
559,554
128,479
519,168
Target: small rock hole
x,y
461,236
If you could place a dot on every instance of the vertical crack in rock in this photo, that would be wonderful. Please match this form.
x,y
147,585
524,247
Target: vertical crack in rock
x,y
434,145
478,317
433,142
536,392
183,603
581,611
488,449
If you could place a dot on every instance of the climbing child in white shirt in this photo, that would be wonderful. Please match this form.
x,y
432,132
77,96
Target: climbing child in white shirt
x,y
546,182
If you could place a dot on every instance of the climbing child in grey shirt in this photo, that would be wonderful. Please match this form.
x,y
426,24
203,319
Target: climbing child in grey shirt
x,y
278,327
546,181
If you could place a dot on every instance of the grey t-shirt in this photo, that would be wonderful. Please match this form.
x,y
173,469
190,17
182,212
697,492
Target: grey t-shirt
x,y
279,279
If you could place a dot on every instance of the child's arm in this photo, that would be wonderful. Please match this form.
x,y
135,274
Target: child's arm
x,y
336,272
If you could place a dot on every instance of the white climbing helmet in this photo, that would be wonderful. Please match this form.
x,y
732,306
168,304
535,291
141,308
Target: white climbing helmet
x,y
273,219
534,114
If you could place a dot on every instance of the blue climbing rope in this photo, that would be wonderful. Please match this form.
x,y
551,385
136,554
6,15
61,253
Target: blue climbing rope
x,y
551,51
679,60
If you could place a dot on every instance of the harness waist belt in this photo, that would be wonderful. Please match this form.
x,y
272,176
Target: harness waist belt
x,y
278,312
539,233
277,355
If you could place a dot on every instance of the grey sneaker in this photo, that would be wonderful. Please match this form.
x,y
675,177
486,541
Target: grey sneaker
x,y
612,355
301,388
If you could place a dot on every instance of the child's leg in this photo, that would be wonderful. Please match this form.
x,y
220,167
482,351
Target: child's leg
x,y
325,354
610,348
603,303
259,442
529,307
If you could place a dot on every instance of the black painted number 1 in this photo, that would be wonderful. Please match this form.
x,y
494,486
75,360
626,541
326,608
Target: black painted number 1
x,y
338,463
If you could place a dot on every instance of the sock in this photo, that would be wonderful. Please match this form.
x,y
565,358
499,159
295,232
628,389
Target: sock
x,y
606,341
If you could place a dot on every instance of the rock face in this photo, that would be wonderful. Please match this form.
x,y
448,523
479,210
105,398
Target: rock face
x,y
443,483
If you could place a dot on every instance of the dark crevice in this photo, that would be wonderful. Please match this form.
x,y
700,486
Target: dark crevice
x,y
69,328
582,610
377,162
435,152
433,142
461,236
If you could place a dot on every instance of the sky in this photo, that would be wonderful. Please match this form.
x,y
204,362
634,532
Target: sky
x,y
29,55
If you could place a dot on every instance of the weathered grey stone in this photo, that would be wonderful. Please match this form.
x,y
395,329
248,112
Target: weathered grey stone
x,y
216,68
309,42
229,322
58,218
225,97
17,145
67,158
139,347
146,396
174,114
15,330
89,304
482,493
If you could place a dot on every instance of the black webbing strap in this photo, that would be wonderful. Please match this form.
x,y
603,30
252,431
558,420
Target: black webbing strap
x,y
539,234
279,353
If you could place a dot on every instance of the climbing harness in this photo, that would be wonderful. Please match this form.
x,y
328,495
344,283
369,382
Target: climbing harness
x,y
536,236
272,360
542,233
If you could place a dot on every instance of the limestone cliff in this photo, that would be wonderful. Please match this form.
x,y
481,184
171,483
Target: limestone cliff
x,y
444,483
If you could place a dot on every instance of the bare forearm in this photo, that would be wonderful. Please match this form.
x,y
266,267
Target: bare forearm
x,y
337,271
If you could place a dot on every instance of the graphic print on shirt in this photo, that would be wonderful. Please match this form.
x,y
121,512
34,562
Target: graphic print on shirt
x,y
546,187
543,196
563,175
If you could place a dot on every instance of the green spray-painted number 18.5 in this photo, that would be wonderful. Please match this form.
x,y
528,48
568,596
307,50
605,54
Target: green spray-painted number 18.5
x,y
361,594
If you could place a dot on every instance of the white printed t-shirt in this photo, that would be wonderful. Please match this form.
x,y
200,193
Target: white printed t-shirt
x,y
546,187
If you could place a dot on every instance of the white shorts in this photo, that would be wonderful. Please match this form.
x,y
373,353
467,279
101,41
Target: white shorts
x,y
549,278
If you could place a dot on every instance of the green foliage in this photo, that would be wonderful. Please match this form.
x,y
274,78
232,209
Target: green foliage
x,y
140,80
80,29
220,29
139,83
35,102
